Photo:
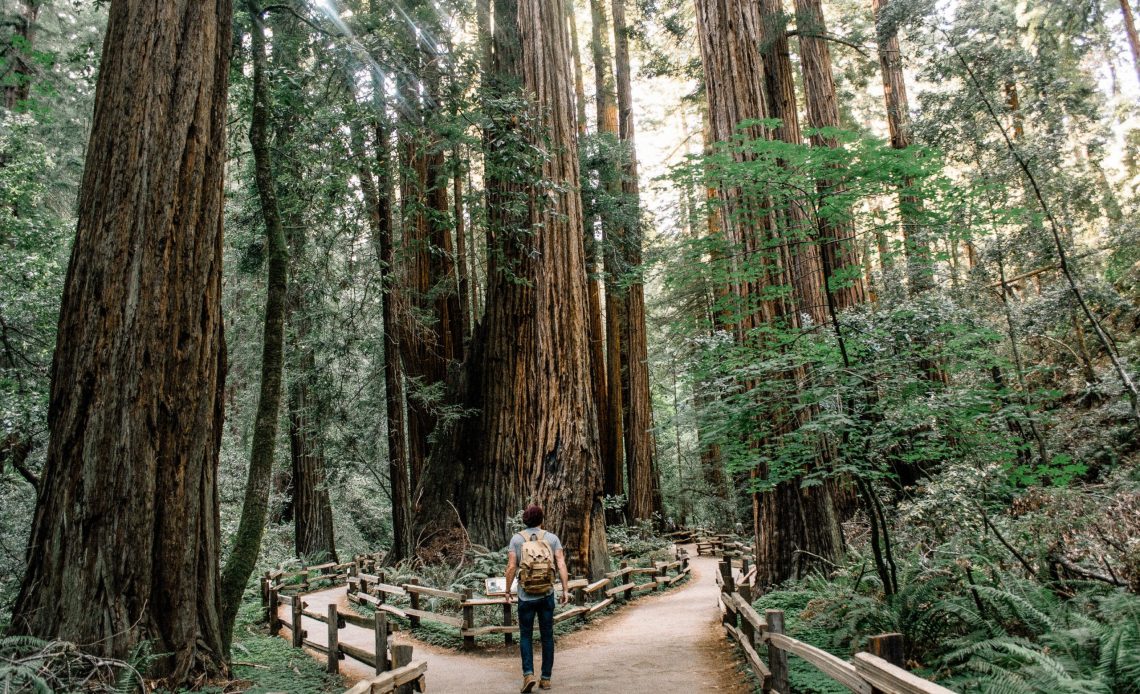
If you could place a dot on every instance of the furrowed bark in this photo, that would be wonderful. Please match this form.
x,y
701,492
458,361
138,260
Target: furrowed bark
x,y
125,540
644,487
836,237
535,437
610,406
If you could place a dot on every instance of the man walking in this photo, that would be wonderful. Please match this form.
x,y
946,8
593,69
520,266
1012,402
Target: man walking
x,y
534,554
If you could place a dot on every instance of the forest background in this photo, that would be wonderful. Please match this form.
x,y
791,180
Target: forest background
x,y
892,338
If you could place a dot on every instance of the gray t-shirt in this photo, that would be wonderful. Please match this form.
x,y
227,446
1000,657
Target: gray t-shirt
x,y
516,548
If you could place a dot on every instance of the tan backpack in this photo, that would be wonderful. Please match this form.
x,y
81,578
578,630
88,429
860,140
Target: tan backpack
x,y
536,564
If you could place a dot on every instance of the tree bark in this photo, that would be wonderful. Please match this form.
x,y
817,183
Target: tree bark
x,y
836,238
535,437
579,79
308,506
796,227
610,405
125,541
919,264
783,519
637,421
314,536
435,330
247,543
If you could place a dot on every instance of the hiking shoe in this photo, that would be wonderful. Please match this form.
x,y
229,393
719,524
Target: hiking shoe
x,y
528,683
544,684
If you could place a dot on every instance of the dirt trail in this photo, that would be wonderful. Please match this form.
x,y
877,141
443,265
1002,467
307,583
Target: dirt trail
x,y
671,642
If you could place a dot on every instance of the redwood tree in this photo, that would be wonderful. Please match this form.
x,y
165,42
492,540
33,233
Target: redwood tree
x,y
609,403
535,436
785,518
637,420
919,270
780,90
125,542
836,238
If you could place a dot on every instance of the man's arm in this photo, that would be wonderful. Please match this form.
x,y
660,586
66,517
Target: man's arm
x,y
512,567
560,559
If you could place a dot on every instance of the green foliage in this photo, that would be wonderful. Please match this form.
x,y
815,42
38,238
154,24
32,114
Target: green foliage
x,y
33,665
264,663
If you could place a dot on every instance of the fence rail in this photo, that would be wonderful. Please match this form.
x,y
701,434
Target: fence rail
x,y
365,583
880,672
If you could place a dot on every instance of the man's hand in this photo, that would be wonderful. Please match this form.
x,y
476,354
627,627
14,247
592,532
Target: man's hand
x,y
564,599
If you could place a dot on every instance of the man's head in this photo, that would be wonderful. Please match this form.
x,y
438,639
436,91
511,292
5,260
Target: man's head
x,y
532,516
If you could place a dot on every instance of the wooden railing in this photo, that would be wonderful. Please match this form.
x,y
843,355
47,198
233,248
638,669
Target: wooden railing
x,y
303,579
383,656
395,681
392,663
587,597
868,673
722,545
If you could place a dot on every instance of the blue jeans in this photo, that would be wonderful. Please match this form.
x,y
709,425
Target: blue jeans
x,y
544,608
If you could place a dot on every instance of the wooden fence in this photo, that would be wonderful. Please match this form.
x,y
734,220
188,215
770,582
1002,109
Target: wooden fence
x,y
879,672
392,663
587,597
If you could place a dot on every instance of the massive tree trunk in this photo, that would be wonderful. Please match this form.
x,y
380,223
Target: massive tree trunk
x,y
611,424
314,536
535,437
435,329
796,231
644,487
784,519
125,541
836,238
247,544
919,264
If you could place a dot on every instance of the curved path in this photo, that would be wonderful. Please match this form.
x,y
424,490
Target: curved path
x,y
662,643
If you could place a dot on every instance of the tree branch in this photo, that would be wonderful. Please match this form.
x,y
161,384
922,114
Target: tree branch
x,y
828,37
16,450
1062,257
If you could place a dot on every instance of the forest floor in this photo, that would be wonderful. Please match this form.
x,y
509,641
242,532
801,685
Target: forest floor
x,y
669,642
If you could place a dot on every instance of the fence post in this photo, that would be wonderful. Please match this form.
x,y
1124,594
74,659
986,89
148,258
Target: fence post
x,y
380,595
334,640
298,632
889,647
468,621
727,588
414,598
745,625
777,659
274,621
265,589
579,596
401,656
380,635
508,620
628,595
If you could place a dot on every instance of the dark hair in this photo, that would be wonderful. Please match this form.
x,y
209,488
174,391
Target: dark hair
x,y
532,516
